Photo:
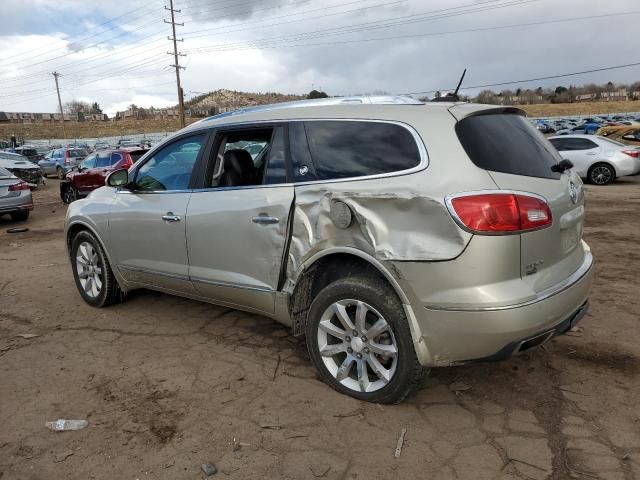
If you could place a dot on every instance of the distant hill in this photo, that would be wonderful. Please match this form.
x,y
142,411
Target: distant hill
x,y
223,100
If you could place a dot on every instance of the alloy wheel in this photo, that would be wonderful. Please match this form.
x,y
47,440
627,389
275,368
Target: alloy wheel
x,y
89,269
601,175
357,345
70,195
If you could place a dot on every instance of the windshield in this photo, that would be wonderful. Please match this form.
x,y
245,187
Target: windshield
x,y
4,173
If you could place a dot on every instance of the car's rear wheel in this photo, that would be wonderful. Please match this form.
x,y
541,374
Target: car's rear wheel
x,y
60,173
70,194
92,272
601,174
20,216
359,340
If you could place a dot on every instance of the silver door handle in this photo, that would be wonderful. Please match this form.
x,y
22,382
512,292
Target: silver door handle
x,y
170,217
264,220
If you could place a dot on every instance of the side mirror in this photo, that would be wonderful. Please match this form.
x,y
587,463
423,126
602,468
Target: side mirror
x,y
118,179
562,165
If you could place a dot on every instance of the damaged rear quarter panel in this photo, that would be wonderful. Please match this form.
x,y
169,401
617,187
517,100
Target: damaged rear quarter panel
x,y
397,217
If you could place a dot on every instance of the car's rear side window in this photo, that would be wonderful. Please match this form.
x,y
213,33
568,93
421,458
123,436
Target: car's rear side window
x,y
507,143
347,149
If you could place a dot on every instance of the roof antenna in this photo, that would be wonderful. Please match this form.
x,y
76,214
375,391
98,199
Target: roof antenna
x,y
452,97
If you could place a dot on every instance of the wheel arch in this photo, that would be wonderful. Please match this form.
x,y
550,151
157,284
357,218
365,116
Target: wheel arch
x,y
78,226
325,267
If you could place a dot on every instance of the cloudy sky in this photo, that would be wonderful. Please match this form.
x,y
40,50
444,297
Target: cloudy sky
x,y
115,53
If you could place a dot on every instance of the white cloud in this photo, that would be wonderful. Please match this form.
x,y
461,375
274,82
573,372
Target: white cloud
x,y
129,64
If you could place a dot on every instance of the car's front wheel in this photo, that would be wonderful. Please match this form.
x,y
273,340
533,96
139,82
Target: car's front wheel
x,y
69,194
359,340
92,272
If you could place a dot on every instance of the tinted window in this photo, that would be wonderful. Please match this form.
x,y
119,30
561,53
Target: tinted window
x,y
559,143
171,167
345,149
104,160
89,162
303,169
115,158
507,144
77,153
5,173
276,171
580,144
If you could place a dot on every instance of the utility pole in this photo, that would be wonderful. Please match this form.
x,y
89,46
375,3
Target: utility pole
x,y
55,76
176,54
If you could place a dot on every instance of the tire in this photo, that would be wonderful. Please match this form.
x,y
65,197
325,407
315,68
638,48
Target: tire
x,y
86,252
20,216
601,174
70,194
353,358
60,173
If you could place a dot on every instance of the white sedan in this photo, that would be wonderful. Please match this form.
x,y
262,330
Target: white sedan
x,y
598,159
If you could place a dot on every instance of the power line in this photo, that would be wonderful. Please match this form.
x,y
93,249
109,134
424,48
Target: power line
x,y
92,29
434,34
513,82
425,16
201,33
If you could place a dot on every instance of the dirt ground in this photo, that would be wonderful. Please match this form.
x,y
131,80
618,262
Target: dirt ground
x,y
168,384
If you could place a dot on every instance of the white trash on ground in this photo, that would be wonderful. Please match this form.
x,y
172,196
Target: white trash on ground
x,y
62,425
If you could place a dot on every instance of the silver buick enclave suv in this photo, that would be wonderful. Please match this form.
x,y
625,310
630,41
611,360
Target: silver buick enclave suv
x,y
394,235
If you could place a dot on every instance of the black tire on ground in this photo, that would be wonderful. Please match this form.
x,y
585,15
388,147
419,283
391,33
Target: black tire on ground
x,y
379,295
70,194
601,174
20,216
110,291
60,173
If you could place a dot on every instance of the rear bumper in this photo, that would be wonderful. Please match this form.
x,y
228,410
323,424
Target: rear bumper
x,y
455,337
16,204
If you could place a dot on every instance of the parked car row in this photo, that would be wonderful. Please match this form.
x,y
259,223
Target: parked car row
x,y
586,125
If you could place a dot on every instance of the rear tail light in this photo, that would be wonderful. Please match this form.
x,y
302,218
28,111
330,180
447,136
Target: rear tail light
x,y
496,213
66,157
19,186
632,153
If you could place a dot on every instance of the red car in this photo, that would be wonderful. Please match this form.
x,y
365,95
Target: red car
x,y
93,171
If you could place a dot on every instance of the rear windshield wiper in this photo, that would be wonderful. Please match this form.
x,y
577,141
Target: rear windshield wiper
x,y
562,165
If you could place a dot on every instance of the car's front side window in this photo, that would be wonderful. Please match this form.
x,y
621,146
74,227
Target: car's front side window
x,y
171,167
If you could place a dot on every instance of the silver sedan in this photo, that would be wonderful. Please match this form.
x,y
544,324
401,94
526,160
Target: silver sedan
x,y
15,196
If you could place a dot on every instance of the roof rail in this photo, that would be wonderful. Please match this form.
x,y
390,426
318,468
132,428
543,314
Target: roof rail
x,y
355,100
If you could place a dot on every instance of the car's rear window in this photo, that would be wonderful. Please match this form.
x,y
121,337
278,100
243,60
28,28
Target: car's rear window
x,y
346,149
77,153
507,143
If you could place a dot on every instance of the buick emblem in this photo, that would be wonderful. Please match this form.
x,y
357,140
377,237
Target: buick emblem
x,y
573,192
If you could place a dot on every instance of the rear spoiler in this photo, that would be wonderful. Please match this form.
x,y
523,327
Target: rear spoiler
x,y
464,110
